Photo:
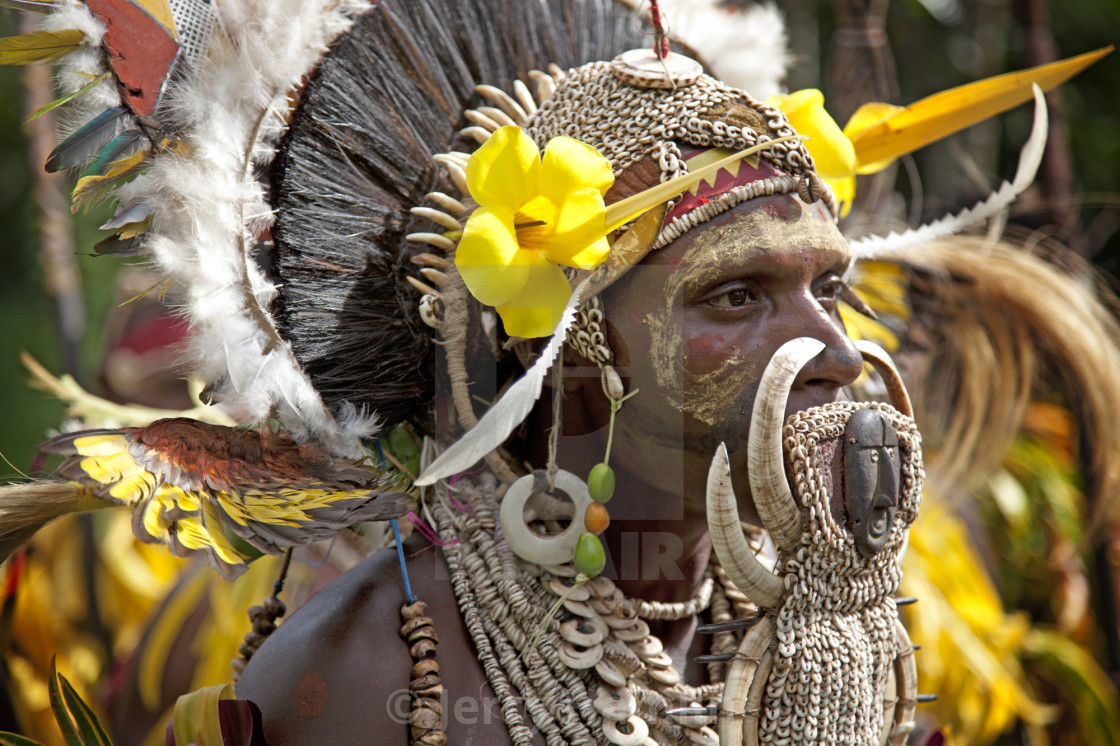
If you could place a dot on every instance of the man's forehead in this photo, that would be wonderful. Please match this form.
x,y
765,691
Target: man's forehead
x,y
775,227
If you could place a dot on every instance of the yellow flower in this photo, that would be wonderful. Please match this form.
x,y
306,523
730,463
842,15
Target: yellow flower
x,y
534,214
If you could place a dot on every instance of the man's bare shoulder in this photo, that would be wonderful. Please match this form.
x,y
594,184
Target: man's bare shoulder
x,y
338,667
317,676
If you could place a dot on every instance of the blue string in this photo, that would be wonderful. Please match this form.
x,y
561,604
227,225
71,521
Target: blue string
x,y
380,454
408,595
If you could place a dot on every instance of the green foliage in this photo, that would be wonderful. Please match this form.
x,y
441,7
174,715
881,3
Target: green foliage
x,y
77,722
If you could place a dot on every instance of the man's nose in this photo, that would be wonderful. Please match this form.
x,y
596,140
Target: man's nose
x,y
839,364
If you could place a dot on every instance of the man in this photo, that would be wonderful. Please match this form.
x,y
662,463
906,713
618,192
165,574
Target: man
x,y
545,650
690,329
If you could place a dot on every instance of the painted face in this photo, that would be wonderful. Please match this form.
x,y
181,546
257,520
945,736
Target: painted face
x,y
872,477
696,323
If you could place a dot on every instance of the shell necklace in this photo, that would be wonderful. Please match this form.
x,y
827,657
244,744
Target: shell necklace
x,y
595,672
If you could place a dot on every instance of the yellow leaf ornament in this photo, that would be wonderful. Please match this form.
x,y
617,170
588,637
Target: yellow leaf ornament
x,y
534,214
879,133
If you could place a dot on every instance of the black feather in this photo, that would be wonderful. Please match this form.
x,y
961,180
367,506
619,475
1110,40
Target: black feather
x,y
388,96
116,246
87,141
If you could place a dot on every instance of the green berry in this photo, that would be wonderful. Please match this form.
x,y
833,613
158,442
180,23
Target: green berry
x,y
590,555
600,483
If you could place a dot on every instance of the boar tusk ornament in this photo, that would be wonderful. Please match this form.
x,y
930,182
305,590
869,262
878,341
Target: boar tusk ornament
x,y
829,661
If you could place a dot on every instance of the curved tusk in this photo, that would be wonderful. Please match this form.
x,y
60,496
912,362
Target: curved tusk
x,y
741,705
906,673
772,497
885,367
738,560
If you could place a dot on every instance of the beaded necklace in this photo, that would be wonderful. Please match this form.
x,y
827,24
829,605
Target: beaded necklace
x,y
595,672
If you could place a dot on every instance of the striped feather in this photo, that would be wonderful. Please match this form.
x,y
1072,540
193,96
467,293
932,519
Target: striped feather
x,y
192,486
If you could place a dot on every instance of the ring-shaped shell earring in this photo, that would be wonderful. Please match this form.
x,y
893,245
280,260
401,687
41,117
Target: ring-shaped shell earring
x,y
530,546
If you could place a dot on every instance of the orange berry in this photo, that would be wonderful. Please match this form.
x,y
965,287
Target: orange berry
x,y
596,519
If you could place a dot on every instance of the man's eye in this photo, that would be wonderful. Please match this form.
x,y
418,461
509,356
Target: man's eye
x,y
831,291
732,298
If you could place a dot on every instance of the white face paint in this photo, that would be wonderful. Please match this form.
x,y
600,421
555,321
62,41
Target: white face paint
x,y
697,322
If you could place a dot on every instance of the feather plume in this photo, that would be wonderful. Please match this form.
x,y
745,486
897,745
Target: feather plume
x,y
87,141
117,245
69,96
908,241
191,485
39,46
358,157
1004,325
91,190
509,411
35,6
207,205
118,147
944,113
76,70
745,48
26,507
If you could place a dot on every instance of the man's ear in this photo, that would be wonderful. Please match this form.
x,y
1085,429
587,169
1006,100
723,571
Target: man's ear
x,y
586,407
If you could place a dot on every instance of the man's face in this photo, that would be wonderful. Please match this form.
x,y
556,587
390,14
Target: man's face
x,y
696,323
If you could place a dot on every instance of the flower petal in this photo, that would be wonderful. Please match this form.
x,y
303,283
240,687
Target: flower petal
x,y
488,258
570,165
504,171
578,238
590,257
535,311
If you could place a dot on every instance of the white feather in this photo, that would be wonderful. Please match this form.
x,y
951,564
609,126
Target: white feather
x,y
509,411
744,48
207,207
1029,160
78,68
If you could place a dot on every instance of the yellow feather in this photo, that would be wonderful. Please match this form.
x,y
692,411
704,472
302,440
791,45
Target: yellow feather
x,y
191,533
91,190
623,211
272,509
154,520
189,502
944,113
135,488
39,46
232,505
218,539
100,445
109,469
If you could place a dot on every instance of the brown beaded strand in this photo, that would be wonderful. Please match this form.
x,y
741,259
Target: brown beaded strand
x,y
263,619
425,686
